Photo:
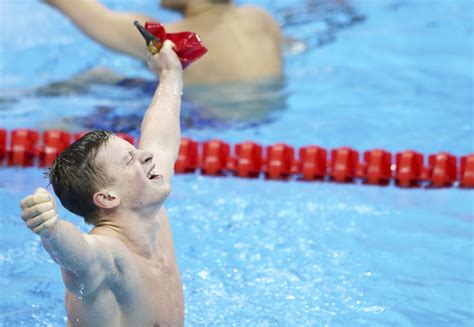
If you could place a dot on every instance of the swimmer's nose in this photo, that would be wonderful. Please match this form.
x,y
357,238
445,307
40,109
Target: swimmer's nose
x,y
146,157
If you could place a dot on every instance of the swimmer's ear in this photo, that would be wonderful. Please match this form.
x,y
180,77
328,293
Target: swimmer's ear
x,y
106,200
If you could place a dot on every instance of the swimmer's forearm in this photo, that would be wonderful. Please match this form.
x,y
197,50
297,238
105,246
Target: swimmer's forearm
x,y
165,110
166,101
162,119
68,247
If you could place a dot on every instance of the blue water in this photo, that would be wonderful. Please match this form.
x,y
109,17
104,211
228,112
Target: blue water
x,y
392,74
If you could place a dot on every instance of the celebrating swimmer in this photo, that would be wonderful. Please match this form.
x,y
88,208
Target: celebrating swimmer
x,y
124,272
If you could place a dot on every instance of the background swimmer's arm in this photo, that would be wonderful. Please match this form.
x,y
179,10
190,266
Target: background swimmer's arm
x,y
114,30
86,264
160,130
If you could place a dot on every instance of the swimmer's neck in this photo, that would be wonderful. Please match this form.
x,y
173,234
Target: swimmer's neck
x,y
197,8
138,234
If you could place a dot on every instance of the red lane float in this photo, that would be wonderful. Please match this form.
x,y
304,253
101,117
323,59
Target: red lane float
x,y
54,141
344,164
377,167
3,144
313,162
442,169
409,168
248,159
188,160
215,157
279,161
22,150
467,171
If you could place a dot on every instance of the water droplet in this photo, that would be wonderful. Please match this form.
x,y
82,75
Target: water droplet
x,y
81,291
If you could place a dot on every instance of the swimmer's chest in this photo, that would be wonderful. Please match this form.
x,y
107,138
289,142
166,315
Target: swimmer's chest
x,y
152,288
145,296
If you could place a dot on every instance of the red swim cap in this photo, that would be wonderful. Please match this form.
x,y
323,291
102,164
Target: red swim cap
x,y
188,45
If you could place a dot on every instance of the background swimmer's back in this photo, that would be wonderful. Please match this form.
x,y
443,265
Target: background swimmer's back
x,y
244,42
246,39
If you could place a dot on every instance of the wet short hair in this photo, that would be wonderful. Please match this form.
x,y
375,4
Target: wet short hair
x,y
76,176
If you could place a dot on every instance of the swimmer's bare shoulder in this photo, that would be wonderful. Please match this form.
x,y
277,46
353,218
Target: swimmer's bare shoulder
x,y
260,18
123,291
96,298
113,258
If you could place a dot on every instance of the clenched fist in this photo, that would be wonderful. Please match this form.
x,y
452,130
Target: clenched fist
x,y
39,212
166,60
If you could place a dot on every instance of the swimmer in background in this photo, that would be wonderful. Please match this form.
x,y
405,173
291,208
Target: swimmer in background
x,y
244,42
124,272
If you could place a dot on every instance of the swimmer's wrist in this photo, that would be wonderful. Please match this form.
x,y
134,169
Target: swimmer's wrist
x,y
174,73
172,80
48,228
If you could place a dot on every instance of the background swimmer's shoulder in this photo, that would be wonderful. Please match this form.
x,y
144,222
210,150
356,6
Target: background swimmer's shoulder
x,y
258,17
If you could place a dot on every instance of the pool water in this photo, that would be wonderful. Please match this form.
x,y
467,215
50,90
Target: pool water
x,y
391,74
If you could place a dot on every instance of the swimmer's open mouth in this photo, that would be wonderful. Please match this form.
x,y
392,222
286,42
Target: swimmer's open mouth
x,y
152,174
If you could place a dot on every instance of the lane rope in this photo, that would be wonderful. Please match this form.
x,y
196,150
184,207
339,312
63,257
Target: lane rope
x,y
28,148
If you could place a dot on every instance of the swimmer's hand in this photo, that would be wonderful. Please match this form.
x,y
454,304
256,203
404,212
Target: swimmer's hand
x,y
165,61
39,212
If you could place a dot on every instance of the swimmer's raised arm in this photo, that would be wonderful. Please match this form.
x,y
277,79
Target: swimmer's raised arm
x,y
112,29
160,129
86,263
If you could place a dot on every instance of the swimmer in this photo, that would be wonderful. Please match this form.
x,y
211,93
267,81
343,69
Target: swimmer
x,y
124,271
244,42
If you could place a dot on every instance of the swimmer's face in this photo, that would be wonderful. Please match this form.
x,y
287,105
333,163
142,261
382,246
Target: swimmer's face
x,y
177,5
136,179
